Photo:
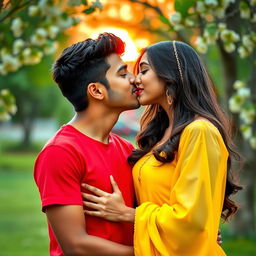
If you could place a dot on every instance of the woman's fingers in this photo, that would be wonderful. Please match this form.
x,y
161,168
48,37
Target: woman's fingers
x,y
93,213
94,190
114,185
91,198
93,206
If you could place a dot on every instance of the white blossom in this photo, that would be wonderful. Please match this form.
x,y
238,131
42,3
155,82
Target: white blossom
x,y
210,34
48,9
245,12
253,2
229,36
18,44
41,32
248,43
211,3
64,23
200,7
4,51
33,10
244,92
36,58
228,2
39,38
229,47
189,22
50,48
4,116
53,31
17,27
254,18
235,104
220,12
26,52
253,142
4,92
201,45
246,131
30,58
176,18
238,84
247,115
222,26
2,69
243,52
10,63
12,109
178,27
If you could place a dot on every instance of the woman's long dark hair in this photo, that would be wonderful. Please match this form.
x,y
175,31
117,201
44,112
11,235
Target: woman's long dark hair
x,y
192,95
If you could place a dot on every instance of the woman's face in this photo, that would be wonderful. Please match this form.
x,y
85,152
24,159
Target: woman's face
x,y
150,89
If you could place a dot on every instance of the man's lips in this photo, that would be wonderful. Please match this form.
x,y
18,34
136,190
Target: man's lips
x,y
138,91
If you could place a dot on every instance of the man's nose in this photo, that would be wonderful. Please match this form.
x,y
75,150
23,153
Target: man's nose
x,y
137,80
131,78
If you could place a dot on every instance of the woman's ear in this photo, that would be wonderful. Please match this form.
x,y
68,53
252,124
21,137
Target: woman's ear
x,y
96,91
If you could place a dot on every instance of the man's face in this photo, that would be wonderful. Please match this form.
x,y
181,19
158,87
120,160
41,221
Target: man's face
x,y
121,94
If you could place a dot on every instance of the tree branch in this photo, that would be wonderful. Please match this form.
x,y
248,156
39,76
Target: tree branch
x,y
145,3
159,12
15,9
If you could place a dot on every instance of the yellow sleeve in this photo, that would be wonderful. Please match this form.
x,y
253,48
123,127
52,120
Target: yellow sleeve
x,y
188,224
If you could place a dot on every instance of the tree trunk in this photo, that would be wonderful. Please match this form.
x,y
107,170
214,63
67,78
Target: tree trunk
x,y
27,111
27,125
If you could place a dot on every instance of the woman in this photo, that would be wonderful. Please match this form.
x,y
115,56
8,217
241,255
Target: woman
x,y
182,169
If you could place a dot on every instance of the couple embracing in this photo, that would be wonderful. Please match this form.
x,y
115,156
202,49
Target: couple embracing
x,y
101,196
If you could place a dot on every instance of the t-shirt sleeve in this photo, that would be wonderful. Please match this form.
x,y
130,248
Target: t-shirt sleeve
x,y
188,223
58,174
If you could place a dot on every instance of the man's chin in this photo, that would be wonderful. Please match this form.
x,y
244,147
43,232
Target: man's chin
x,y
132,106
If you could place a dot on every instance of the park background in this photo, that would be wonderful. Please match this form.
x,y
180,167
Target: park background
x,y
32,35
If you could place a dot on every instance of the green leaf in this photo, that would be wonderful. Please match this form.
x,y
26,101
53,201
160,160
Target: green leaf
x,y
85,2
212,28
164,20
97,4
89,10
74,2
183,6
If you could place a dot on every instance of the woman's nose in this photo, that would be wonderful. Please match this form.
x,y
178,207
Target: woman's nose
x,y
137,80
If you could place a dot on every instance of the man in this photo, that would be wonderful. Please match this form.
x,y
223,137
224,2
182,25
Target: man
x,y
92,76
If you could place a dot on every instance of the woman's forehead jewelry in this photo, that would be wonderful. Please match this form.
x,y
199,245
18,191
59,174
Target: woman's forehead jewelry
x,y
177,59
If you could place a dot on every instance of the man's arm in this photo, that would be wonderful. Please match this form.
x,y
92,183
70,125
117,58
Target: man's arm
x,y
68,225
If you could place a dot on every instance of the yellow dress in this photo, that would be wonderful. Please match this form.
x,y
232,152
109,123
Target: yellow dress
x,y
180,203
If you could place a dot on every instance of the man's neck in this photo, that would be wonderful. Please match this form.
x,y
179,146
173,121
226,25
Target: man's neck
x,y
95,123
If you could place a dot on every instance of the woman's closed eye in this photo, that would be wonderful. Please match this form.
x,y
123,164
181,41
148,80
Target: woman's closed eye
x,y
144,71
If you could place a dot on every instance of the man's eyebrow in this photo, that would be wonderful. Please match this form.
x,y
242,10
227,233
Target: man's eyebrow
x,y
124,66
144,63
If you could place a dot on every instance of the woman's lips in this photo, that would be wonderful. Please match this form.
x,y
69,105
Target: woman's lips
x,y
139,91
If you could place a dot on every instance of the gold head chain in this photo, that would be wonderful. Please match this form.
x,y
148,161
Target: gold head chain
x,y
177,59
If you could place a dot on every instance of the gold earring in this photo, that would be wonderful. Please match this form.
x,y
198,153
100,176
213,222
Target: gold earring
x,y
169,99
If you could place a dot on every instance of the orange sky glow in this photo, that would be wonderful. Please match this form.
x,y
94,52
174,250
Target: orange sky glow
x,y
123,19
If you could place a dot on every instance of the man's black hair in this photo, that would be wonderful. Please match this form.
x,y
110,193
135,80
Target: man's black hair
x,y
83,63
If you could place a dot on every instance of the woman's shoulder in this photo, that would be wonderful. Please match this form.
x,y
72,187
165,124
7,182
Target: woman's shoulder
x,y
200,126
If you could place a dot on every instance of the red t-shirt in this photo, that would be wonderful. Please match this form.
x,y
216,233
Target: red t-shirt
x,y
71,158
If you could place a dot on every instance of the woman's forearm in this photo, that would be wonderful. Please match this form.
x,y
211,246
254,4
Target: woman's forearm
x,y
128,215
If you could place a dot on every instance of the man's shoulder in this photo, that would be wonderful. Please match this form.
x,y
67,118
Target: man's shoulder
x,y
121,141
63,137
63,141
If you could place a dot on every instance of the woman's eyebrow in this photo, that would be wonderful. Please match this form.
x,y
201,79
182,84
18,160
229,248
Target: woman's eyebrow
x,y
144,63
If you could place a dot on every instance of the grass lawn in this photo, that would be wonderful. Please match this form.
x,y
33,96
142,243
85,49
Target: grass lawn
x,y
23,230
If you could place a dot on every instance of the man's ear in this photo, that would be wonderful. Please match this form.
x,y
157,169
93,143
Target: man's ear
x,y
96,90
